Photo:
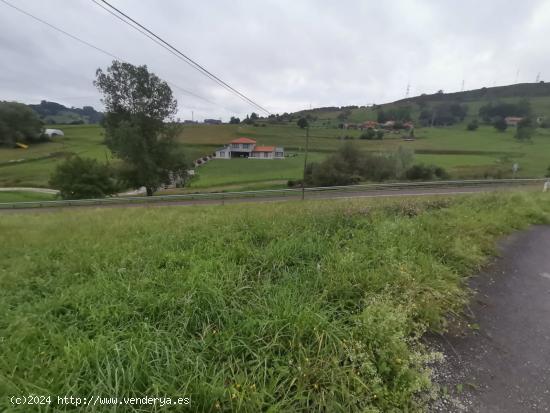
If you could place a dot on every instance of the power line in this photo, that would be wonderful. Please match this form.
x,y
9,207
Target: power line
x,y
78,39
137,26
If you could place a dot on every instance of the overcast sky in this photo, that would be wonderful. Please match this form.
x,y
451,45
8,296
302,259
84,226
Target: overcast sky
x,y
284,54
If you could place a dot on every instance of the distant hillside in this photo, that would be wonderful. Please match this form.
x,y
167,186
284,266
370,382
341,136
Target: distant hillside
x,y
538,94
52,113
519,90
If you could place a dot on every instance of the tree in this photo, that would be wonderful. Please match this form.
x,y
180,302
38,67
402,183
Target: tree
x,y
525,129
379,134
302,123
19,123
254,116
473,125
369,134
500,124
138,105
234,120
80,178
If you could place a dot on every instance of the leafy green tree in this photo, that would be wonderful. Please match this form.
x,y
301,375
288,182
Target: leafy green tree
x,y
525,129
81,178
379,134
500,124
302,123
139,106
234,120
19,123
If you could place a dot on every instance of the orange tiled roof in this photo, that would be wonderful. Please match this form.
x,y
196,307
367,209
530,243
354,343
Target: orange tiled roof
x,y
264,148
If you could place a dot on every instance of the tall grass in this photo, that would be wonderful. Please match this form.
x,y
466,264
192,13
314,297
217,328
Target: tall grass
x,y
315,306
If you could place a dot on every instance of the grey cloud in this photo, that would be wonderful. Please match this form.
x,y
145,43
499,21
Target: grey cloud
x,y
284,54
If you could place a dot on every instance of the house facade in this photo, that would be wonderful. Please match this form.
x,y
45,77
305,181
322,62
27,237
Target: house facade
x,y
247,148
512,120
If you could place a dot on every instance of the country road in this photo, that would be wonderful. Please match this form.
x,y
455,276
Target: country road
x,y
383,193
502,362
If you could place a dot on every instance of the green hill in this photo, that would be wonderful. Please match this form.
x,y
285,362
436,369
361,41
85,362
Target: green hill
x,y
538,94
54,113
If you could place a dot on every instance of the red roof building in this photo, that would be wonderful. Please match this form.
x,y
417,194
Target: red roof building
x,y
243,140
264,148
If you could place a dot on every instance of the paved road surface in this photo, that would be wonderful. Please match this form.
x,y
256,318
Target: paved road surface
x,y
504,366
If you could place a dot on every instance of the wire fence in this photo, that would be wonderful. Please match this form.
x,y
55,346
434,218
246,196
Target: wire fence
x,y
307,193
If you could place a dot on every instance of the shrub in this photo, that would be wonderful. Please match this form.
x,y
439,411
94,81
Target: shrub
x,y
500,124
379,134
473,125
525,129
81,178
421,172
369,134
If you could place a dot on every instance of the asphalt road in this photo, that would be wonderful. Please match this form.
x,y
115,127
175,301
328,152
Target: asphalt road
x,y
502,364
296,196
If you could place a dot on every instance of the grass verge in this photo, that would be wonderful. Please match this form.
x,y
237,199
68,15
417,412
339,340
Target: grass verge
x,y
315,306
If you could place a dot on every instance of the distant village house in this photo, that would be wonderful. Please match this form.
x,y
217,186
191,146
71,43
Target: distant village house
x,y
247,148
213,121
512,120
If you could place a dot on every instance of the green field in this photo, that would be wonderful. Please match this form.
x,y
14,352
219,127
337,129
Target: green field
x,y
480,154
23,196
298,306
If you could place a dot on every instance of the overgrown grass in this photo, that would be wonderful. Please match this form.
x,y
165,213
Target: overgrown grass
x,y
315,306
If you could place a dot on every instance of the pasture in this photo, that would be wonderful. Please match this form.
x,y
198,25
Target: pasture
x,y
482,153
298,306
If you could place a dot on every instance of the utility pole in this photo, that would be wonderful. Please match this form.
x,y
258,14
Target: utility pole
x,y
305,163
192,116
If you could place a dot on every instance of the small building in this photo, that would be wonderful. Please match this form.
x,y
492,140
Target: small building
x,y
213,121
370,124
50,133
512,120
247,148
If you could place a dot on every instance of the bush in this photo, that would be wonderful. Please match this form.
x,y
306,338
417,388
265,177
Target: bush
x,y
379,134
525,129
81,178
473,125
500,124
421,172
369,134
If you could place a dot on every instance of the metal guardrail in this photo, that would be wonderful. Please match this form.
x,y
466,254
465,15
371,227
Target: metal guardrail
x,y
272,193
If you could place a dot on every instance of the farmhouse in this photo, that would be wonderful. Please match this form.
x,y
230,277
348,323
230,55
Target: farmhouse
x,y
247,148
512,120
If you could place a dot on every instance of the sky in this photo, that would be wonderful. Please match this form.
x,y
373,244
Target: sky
x,y
286,55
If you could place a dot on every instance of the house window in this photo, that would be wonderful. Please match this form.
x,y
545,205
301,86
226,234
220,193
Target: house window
x,y
235,145
246,145
222,154
266,154
279,154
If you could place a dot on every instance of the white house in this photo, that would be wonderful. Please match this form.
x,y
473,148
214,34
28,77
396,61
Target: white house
x,y
247,148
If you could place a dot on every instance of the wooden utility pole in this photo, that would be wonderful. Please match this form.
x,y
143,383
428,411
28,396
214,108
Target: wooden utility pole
x,y
305,164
